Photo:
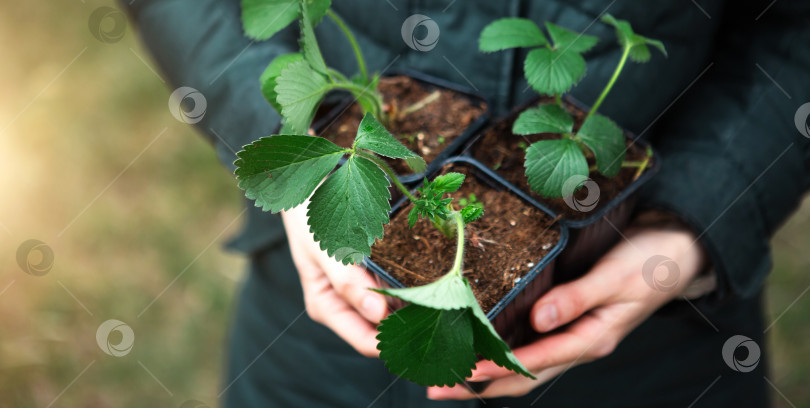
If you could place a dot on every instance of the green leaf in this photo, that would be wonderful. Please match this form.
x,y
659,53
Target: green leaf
x,y
365,98
317,9
371,83
300,89
431,347
606,141
636,42
549,163
308,42
348,211
413,216
657,44
471,213
639,53
285,129
553,72
448,292
261,19
510,33
451,293
271,73
373,136
490,346
280,172
548,118
448,183
567,40
624,32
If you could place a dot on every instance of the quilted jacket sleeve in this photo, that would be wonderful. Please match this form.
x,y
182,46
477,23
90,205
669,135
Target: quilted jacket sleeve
x,y
735,166
200,44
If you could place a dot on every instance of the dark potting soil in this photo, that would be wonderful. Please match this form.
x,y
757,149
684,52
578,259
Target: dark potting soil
x,y
426,131
501,246
501,151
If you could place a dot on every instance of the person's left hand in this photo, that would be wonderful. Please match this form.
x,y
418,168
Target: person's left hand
x,y
603,307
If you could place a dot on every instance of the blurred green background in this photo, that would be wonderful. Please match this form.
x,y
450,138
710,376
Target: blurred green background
x,y
135,207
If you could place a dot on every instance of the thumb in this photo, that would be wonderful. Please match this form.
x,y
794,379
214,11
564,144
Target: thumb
x,y
352,283
567,302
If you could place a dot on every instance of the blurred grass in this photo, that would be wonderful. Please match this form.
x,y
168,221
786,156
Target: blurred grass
x,y
127,244
788,305
64,141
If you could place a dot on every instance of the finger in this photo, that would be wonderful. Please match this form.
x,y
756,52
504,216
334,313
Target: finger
x,y
328,308
564,303
355,330
586,340
514,385
351,283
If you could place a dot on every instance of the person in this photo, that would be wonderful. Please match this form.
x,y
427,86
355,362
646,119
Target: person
x,y
720,111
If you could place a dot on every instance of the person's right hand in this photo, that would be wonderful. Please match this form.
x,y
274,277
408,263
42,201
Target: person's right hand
x,y
335,295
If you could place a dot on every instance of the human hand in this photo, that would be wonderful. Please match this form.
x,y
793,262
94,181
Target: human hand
x,y
603,307
335,295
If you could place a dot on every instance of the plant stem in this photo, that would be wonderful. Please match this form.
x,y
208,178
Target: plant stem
x,y
558,99
641,165
459,259
635,163
432,97
444,226
359,91
616,72
337,74
644,164
358,54
388,171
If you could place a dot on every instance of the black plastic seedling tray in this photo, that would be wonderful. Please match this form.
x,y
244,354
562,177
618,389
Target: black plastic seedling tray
x,y
430,82
510,315
589,238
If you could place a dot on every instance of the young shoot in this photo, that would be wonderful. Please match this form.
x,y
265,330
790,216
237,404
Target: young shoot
x,y
552,68
433,205
443,330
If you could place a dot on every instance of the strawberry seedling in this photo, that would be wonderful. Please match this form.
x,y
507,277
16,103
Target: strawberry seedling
x,y
552,67
296,83
436,339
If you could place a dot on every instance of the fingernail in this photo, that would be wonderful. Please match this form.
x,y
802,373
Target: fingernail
x,y
372,305
546,318
478,378
443,393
